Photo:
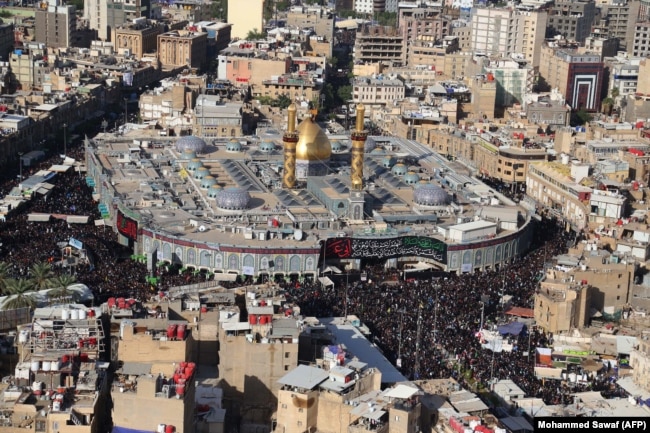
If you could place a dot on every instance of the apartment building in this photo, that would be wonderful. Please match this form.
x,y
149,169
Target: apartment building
x,y
216,118
433,55
506,32
514,80
423,24
137,38
640,46
30,66
346,399
55,24
505,158
244,67
155,383
378,44
551,186
255,354
623,74
105,15
562,305
620,19
6,40
377,90
577,76
245,16
572,19
548,111
60,355
182,48
295,87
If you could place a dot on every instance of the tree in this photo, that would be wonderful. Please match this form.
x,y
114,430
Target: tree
x,y
283,101
4,274
580,117
344,93
20,294
41,274
62,290
219,9
254,35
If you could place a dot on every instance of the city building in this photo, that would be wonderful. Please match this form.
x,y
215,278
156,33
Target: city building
x,y
640,46
572,19
342,393
640,363
500,31
105,15
137,38
245,16
433,55
514,81
182,49
294,86
30,66
377,91
549,111
7,39
604,46
215,118
577,76
423,25
561,306
254,354
551,186
61,353
55,24
620,18
155,383
378,44
623,75
248,68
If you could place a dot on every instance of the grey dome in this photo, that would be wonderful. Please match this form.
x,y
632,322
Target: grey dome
x,y
190,142
399,169
388,161
214,190
201,172
430,195
208,181
189,154
194,164
267,146
337,146
233,146
233,198
411,178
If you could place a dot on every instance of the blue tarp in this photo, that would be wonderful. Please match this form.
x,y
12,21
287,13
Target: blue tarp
x,y
512,328
117,429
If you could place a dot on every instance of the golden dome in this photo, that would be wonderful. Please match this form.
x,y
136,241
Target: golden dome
x,y
313,144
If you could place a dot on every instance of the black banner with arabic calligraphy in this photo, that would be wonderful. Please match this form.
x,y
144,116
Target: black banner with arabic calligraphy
x,y
419,246
127,226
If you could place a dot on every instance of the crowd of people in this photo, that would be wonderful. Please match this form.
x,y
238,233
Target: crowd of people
x,y
107,271
448,312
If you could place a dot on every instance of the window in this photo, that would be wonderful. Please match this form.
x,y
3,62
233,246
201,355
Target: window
x,y
286,368
618,298
299,423
284,406
301,410
286,354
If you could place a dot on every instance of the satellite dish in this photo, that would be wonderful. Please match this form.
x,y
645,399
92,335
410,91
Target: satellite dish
x,y
202,228
297,235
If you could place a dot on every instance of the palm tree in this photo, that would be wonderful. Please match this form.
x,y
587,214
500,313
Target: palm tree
x,y
41,275
4,274
61,284
20,294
